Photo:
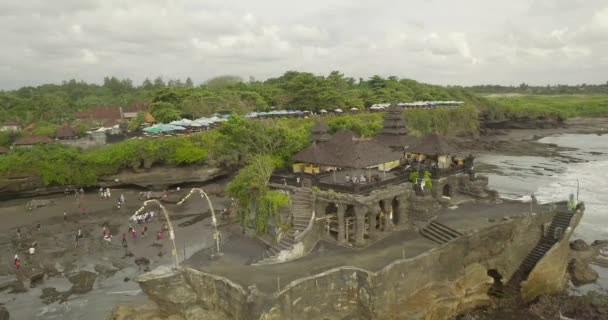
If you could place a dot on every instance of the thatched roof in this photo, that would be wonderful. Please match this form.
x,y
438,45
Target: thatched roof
x,y
433,144
394,130
3,150
320,132
65,132
31,140
345,151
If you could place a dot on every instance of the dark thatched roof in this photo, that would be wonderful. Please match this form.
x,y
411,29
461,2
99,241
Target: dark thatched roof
x,y
344,151
31,140
394,130
65,132
320,132
433,144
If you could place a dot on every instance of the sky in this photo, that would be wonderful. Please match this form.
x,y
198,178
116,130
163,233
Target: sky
x,y
447,42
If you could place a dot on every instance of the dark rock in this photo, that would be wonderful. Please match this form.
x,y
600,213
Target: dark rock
x,y
4,315
51,295
126,279
106,270
579,245
600,243
82,282
36,276
581,273
141,261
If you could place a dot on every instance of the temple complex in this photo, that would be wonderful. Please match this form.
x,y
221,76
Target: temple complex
x,y
363,189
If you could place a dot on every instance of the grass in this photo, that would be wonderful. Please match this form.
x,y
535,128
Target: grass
x,y
564,106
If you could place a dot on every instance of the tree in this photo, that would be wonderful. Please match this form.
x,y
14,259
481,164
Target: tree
x,y
222,82
164,112
136,123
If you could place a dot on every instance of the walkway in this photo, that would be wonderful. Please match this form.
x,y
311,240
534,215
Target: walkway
x,y
239,251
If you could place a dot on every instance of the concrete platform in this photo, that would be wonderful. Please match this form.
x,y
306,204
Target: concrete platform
x,y
240,251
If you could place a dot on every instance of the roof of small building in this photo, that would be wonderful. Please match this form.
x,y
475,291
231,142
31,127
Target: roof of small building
x,y
30,140
101,113
320,132
433,144
345,151
3,150
137,106
65,132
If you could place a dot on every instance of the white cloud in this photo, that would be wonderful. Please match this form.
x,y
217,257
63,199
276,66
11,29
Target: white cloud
x,y
537,41
89,57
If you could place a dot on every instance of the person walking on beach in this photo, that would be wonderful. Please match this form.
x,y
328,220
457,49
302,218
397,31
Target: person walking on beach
x,y
143,231
76,240
38,227
65,217
18,233
130,228
124,240
159,237
17,262
123,200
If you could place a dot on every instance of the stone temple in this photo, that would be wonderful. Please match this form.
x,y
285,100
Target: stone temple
x,y
359,189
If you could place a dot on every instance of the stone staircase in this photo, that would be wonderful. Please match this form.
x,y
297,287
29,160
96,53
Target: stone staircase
x,y
439,233
301,211
560,221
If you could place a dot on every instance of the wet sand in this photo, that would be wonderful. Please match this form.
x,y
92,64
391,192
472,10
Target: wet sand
x,y
57,256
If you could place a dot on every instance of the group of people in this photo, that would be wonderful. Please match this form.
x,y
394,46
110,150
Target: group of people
x,y
145,218
355,179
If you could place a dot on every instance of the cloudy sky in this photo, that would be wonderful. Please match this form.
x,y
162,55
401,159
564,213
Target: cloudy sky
x,y
437,41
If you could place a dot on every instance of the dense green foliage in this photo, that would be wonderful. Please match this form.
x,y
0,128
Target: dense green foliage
x,y
293,90
542,90
514,107
257,204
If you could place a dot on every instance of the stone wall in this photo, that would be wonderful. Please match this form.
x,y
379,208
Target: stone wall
x,y
438,284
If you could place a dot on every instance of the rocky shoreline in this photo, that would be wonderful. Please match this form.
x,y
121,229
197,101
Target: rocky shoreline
x,y
567,304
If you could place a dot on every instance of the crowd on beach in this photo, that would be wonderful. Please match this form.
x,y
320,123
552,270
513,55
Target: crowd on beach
x,y
143,220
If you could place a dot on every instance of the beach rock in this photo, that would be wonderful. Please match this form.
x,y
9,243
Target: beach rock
x,y
106,270
600,243
141,261
127,312
4,315
51,295
579,245
82,282
35,276
581,273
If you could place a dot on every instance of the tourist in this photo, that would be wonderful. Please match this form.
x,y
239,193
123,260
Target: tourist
x,y
347,177
18,233
177,189
101,193
32,250
38,227
148,195
109,193
165,228
76,240
104,231
124,240
143,231
362,179
159,237
355,180
134,234
65,216
151,215
17,262
80,234
118,204
122,199
82,191
108,238
130,228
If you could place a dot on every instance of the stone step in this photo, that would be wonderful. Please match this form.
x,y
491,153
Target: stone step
x,y
449,230
438,233
441,231
431,237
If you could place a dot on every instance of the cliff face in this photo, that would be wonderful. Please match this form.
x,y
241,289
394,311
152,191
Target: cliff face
x,y
438,284
549,275
158,178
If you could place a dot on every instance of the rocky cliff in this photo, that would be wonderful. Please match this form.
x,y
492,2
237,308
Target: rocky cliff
x,y
438,284
158,178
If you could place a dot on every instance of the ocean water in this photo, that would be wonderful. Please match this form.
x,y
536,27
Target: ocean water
x,y
582,170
